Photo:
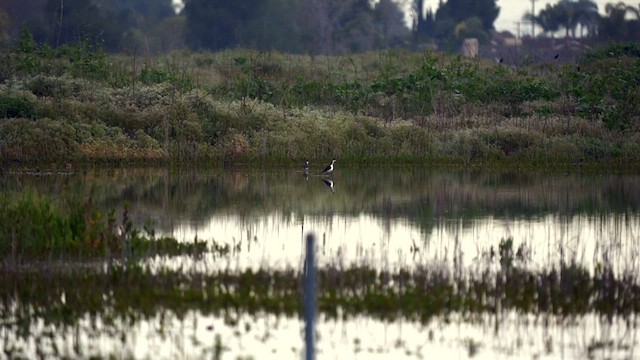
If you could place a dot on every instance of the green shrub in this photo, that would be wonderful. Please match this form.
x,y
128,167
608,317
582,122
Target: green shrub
x,y
612,50
16,106
511,141
39,140
33,225
607,90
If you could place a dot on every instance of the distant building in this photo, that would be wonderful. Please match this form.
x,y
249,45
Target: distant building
x,y
470,47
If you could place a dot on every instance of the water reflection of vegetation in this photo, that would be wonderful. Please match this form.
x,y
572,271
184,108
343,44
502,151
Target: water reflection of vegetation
x,y
64,294
418,194
113,293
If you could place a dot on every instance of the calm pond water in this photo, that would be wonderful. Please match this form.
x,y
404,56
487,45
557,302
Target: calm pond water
x,y
387,219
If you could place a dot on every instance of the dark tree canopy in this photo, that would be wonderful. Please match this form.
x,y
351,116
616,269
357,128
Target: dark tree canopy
x,y
454,20
112,24
298,26
218,24
80,20
460,10
315,26
568,15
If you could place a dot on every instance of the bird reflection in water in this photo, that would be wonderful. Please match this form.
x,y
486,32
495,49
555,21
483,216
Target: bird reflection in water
x,y
329,183
305,172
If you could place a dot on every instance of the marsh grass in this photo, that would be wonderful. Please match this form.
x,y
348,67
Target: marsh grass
x,y
246,106
37,227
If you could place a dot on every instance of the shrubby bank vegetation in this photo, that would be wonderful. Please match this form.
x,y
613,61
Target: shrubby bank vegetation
x,y
76,103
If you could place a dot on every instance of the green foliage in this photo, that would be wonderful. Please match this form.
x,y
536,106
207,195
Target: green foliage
x,y
511,141
569,15
607,89
249,106
33,225
27,61
169,74
612,50
16,106
39,140
36,226
86,61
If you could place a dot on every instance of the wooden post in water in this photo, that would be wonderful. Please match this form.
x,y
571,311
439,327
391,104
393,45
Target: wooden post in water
x,y
310,298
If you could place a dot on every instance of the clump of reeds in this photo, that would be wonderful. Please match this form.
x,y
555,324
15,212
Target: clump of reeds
x,y
35,226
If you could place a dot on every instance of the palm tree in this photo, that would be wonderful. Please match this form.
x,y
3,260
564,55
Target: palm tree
x,y
546,19
569,15
615,24
587,16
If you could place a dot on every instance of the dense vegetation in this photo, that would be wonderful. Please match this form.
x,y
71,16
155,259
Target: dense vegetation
x,y
35,226
77,103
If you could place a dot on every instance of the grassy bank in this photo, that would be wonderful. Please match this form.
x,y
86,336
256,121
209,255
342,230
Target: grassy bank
x,y
78,104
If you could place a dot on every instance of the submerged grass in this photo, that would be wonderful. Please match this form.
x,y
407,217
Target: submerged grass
x,y
247,106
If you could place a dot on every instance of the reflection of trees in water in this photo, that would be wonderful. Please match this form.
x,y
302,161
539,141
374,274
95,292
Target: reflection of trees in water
x,y
422,196
500,284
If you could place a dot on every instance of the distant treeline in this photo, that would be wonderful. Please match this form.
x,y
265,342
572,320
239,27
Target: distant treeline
x,y
295,26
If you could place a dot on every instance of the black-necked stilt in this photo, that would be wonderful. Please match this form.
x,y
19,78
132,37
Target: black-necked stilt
x,y
305,166
329,169
329,183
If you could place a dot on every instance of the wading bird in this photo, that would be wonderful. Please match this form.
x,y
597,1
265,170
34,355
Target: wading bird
x,y
329,169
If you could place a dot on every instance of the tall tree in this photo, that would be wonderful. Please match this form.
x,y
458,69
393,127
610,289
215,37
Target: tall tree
x,y
355,31
72,21
389,21
273,28
28,14
5,24
618,25
424,23
217,24
587,17
460,10
569,15
140,22
338,26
